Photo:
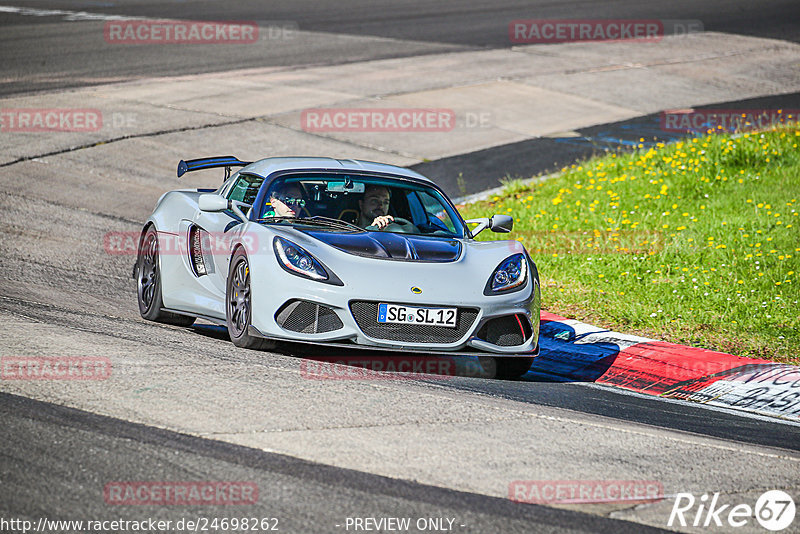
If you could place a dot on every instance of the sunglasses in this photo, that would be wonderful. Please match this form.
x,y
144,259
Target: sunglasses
x,y
289,201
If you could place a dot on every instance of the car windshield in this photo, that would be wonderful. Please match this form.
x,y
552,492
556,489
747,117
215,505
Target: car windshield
x,y
352,202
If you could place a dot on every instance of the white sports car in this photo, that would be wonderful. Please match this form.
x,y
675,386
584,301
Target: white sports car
x,y
338,252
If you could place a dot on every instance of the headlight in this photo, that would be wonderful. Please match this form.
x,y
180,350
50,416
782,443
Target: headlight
x,y
509,274
297,261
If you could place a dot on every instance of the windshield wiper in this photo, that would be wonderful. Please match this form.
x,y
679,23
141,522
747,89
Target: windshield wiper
x,y
315,220
334,222
274,218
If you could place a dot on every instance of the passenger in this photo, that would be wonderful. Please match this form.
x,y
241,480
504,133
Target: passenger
x,y
286,201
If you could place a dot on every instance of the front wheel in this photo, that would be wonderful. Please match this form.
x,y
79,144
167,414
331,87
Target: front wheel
x,y
148,283
238,305
504,368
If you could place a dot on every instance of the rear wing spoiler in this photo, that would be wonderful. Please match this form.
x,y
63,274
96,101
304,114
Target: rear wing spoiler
x,y
210,163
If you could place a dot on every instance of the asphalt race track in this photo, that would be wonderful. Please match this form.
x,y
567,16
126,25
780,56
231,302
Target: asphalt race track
x,y
47,52
317,494
184,404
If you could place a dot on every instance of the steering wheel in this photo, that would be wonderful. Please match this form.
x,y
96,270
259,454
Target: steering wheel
x,y
399,225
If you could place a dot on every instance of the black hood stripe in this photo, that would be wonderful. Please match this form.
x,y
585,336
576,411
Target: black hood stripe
x,y
388,245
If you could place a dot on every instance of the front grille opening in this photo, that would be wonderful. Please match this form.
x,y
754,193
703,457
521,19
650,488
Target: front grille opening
x,y
307,317
506,331
366,315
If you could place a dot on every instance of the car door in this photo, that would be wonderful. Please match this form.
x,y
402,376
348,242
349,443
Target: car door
x,y
208,235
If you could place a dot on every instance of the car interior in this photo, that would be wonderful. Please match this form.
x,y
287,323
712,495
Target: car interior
x,y
419,207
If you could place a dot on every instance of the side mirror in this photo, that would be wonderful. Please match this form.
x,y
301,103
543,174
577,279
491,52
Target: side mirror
x,y
502,224
215,203
212,202
496,223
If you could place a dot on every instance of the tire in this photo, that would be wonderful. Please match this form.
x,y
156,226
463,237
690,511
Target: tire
x,y
148,283
238,308
505,368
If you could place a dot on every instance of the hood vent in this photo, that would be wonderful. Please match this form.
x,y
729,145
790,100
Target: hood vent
x,y
390,246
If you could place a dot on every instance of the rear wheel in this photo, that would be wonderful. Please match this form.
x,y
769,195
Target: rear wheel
x,y
238,305
148,284
499,367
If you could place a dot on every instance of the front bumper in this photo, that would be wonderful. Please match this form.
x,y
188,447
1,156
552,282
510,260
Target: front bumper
x,y
351,323
470,349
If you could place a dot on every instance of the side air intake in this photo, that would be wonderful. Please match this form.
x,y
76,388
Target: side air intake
x,y
506,331
307,317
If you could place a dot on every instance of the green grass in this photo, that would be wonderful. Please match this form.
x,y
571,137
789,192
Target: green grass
x,y
695,242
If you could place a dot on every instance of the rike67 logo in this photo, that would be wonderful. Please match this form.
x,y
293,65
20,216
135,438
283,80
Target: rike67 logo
x,y
774,510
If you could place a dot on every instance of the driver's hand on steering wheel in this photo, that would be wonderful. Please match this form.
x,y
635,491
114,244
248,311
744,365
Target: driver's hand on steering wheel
x,y
383,221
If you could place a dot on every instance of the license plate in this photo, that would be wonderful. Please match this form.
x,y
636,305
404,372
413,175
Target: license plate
x,y
394,313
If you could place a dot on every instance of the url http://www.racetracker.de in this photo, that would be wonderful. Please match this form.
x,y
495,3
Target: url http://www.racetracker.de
x,y
195,524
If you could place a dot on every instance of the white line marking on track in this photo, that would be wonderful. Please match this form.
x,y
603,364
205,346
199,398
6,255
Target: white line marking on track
x,y
681,402
641,429
70,16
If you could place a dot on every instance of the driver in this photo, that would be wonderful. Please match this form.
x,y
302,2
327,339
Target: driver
x,y
374,207
285,199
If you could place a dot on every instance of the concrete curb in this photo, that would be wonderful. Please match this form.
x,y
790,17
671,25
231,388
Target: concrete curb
x,y
576,351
